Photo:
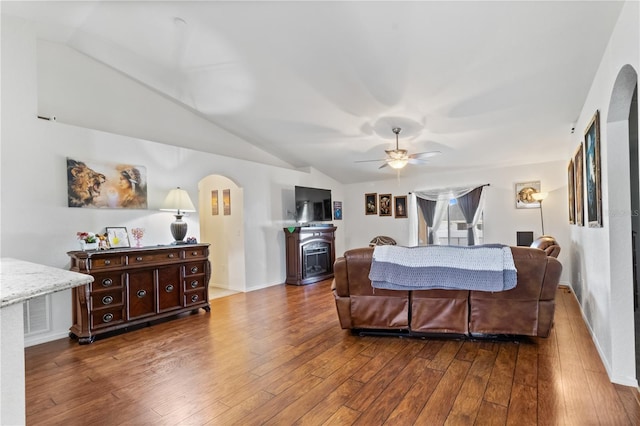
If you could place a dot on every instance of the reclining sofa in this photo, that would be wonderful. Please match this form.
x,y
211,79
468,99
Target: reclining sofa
x,y
527,309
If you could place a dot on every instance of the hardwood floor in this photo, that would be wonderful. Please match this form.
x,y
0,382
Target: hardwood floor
x,y
278,356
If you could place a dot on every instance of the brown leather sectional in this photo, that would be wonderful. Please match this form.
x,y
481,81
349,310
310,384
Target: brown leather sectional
x,y
527,309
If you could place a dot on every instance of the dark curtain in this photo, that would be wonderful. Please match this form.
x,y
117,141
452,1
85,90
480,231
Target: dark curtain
x,y
428,209
469,205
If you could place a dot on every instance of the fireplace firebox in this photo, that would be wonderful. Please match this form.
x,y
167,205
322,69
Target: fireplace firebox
x,y
310,253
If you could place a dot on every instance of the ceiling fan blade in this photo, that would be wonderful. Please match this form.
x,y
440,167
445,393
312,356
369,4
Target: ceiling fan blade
x,y
369,161
385,164
417,161
425,154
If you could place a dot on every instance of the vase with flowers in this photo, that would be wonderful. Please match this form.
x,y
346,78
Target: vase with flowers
x,y
138,233
88,240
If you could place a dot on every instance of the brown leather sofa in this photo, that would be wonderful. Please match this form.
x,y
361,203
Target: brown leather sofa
x,y
527,309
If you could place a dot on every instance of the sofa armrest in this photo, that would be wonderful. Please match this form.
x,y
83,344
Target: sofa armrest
x,y
340,285
551,279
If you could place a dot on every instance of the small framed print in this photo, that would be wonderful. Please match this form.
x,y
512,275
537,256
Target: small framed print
x,y
226,201
385,204
337,210
371,203
400,207
118,237
214,202
524,195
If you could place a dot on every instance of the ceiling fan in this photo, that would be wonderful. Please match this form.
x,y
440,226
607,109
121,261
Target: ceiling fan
x,y
398,158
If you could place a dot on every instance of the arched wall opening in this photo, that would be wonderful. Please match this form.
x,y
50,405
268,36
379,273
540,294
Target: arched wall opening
x,y
221,207
619,187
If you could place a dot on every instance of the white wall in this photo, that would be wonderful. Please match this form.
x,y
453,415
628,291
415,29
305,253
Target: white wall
x,y
501,218
38,226
601,257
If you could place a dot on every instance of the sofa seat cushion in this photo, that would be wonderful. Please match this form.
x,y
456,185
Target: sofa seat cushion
x,y
440,311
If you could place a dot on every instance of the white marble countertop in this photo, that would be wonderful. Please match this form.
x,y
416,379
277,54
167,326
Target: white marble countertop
x,y
21,280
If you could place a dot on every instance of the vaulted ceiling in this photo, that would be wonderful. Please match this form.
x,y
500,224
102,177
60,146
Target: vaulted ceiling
x,y
322,84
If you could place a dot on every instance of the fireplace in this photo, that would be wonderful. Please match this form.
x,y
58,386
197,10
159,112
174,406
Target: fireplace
x,y
315,259
310,253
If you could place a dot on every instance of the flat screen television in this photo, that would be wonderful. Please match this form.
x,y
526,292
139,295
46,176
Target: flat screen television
x,y
313,204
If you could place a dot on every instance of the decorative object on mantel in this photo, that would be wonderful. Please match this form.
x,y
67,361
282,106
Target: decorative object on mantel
x,y
524,192
137,233
178,200
88,240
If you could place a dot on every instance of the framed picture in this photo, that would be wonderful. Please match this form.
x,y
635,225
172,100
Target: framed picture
x,y
214,202
524,192
578,165
371,203
385,204
118,237
592,172
337,210
400,206
226,201
99,185
571,190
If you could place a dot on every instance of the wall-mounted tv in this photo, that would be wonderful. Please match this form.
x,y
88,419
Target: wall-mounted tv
x,y
312,204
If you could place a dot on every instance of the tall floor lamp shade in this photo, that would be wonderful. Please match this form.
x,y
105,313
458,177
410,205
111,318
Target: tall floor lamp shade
x,y
539,197
178,201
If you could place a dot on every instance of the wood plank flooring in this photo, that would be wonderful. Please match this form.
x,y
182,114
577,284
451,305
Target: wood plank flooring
x,y
278,357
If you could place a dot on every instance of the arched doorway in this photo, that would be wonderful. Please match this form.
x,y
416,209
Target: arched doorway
x,y
221,207
623,200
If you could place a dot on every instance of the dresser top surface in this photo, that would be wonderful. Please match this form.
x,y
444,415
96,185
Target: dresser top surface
x,y
130,250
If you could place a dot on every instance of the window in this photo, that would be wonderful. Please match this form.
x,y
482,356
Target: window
x,y
445,210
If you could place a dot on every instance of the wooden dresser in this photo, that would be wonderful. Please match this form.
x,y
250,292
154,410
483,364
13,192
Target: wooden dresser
x,y
137,285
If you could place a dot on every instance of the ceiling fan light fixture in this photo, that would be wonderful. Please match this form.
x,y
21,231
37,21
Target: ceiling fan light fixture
x,y
398,163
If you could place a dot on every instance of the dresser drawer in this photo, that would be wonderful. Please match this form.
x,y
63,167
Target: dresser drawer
x,y
195,253
194,268
106,281
102,262
193,283
193,297
107,317
142,258
103,299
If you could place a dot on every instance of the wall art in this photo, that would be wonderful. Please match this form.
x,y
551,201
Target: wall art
x,y
400,206
214,202
385,204
571,190
524,192
226,201
118,237
93,184
337,210
371,203
578,165
592,172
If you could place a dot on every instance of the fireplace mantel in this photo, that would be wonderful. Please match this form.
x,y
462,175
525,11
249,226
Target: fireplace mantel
x,y
310,253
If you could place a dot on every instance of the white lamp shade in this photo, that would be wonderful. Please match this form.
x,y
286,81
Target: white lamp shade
x,y
539,196
178,200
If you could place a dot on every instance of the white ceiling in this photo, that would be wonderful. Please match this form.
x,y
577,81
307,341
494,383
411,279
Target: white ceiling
x,y
321,84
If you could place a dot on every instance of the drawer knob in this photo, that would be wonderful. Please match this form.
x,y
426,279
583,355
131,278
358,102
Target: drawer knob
x,y
169,288
107,300
139,258
194,253
141,293
171,255
194,269
107,282
107,317
107,262
194,298
194,284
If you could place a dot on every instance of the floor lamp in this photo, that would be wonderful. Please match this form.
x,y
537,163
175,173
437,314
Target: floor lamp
x,y
539,197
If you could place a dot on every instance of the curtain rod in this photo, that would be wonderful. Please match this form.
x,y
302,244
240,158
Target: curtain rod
x,y
479,186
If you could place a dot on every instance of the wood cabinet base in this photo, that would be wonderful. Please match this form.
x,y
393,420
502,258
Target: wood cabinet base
x,y
137,286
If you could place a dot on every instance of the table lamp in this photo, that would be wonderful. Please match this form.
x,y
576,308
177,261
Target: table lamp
x,y
178,201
